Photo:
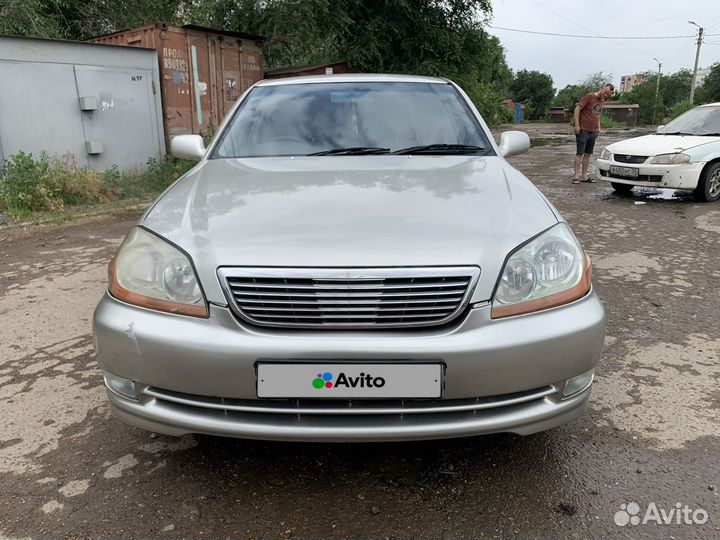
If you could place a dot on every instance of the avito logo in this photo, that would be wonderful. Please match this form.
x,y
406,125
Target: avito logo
x,y
364,380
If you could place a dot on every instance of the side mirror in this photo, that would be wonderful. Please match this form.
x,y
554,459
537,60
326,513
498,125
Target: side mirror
x,y
187,147
659,127
513,143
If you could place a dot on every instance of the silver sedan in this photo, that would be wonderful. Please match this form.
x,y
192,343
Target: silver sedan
x,y
352,259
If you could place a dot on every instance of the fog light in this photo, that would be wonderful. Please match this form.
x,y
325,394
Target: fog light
x,y
120,386
577,384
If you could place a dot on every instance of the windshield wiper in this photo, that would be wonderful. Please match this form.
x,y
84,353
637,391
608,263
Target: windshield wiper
x,y
441,149
709,134
676,133
352,150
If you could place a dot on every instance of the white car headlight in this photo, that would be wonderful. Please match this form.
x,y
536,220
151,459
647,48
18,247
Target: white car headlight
x,y
549,271
605,154
151,273
670,159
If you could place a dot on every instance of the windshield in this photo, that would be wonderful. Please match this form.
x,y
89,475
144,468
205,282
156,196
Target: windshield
x,y
697,121
350,118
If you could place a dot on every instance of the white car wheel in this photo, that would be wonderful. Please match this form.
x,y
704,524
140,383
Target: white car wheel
x,y
708,189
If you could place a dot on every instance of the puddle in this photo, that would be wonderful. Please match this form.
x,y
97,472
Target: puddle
x,y
640,194
667,195
549,141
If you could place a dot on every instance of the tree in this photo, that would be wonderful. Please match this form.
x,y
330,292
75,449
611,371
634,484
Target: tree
x,y
709,92
82,19
676,86
535,90
569,96
673,90
644,95
595,81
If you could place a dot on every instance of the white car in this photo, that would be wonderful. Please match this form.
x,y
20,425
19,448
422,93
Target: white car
x,y
684,154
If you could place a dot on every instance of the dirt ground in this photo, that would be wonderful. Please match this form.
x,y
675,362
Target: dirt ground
x,y
651,435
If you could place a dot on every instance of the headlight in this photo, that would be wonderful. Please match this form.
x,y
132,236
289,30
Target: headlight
x,y
670,159
151,273
605,154
549,271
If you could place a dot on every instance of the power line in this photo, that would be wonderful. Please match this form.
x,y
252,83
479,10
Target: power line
x,y
592,37
716,21
578,24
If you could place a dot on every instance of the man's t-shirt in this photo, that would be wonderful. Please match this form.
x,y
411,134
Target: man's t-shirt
x,y
590,109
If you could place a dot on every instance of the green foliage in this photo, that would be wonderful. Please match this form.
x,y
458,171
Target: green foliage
x,y
709,92
607,122
42,184
28,18
644,95
83,19
679,108
535,90
595,81
673,90
675,87
569,96
487,101
505,116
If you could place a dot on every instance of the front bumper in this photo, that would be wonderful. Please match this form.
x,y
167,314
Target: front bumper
x,y
512,369
685,176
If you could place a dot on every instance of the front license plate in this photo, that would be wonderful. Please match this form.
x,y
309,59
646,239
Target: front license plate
x,y
349,381
624,171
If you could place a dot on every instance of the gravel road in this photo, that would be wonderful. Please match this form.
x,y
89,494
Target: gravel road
x,y
651,435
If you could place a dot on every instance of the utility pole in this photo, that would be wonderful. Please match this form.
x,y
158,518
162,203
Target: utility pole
x,y
697,59
657,88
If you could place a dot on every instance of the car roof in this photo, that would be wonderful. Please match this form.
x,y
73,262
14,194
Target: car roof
x,y
716,104
352,77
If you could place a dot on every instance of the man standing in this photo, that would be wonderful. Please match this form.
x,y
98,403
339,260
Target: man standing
x,y
587,128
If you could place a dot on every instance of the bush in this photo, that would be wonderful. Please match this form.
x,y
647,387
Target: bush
x,y
609,122
487,101
44,184
679,108
41,184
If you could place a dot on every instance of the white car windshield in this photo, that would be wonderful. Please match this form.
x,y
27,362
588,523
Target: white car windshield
x,y
697,121
352,118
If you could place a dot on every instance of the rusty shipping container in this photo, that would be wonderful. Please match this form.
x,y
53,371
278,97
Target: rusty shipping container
x,y
203,71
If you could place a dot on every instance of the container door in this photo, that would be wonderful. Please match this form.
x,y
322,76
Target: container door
x,y
39,111
177,94
251,66
200,83
119,116
230,76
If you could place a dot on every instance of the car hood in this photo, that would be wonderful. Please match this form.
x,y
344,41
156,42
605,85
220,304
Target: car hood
x,y
350,211
652,145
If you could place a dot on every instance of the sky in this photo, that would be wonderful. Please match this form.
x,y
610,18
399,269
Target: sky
x,y
569,59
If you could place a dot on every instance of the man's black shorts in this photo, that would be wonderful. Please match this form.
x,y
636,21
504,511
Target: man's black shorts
x,y
585,141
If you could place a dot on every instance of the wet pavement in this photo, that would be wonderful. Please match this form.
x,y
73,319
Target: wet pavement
x,y
650,437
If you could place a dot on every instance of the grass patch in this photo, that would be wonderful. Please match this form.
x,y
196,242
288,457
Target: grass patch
x,y
608,123
30,185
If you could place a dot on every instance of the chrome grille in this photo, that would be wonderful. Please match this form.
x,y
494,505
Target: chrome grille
x,y
622,158
348,298
349,407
